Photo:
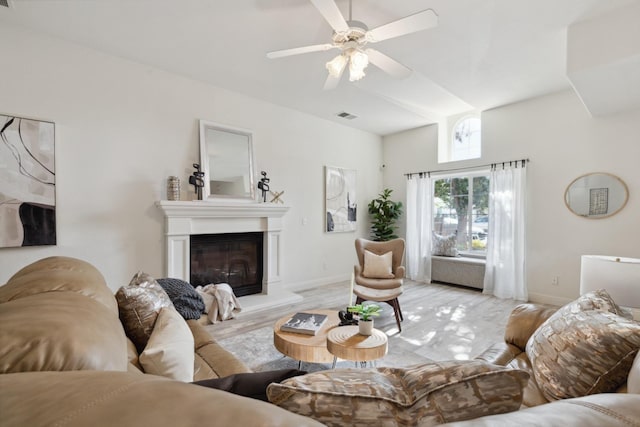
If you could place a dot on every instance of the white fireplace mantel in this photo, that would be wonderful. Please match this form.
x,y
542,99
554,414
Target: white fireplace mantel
x,y
183,219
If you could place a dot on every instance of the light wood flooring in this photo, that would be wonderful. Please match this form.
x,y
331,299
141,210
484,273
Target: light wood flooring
x,y
441,322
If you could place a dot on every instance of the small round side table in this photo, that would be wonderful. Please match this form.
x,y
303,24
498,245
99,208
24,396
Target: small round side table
x,y
305,348
346,343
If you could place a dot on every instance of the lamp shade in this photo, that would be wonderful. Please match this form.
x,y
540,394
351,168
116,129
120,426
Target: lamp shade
x,y
620,277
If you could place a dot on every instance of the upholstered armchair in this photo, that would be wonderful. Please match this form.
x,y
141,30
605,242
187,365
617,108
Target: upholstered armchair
x,y
380,273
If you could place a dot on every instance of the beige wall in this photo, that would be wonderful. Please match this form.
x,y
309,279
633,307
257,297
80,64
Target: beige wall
x,y
123,127
563,142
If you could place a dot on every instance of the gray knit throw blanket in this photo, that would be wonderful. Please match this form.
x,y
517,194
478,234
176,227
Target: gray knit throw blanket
x,y
184,297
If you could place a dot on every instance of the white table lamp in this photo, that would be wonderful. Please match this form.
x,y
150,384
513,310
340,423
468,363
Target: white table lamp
x,y
620,277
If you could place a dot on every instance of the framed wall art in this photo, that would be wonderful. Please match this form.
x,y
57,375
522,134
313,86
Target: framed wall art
x,y
340,199
27,182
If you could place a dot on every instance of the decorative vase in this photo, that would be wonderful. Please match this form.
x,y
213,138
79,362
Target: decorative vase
x,y
365,327
173,188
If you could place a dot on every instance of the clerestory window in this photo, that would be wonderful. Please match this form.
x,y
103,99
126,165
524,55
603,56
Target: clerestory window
x,y
466,139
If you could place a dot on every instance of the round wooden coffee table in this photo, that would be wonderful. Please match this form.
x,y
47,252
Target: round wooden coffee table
x,y
346,343
306,348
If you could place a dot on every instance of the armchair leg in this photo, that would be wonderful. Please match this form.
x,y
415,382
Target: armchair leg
x,y
396,310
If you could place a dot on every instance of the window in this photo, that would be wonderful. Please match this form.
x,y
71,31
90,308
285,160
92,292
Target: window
x,y
461,207
466,140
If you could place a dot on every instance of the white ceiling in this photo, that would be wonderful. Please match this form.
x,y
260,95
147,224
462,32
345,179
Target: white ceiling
x,y
482,54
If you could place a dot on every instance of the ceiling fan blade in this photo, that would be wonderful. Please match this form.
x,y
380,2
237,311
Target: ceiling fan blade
x,y
299,50
388,65
329,10
410,24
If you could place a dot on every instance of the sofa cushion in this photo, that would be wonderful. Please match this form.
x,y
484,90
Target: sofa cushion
x,y
60,331
424,395
184,297
170,349
577,353
139,304
444,245
600,410
108,399
57,274
378,266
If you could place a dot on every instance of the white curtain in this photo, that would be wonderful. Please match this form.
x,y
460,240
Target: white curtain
x,y
419,205
505,269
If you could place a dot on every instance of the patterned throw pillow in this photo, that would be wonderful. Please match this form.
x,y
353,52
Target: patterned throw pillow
x,y
596,300
584,348
139,304
444,245
424,395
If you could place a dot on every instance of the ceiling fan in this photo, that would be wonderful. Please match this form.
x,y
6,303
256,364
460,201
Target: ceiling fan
x,y
351,37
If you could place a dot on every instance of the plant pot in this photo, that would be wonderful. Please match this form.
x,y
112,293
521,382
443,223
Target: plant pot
x,y
365,327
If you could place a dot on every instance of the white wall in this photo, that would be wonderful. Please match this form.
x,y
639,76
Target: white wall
x,y
122,128
563,142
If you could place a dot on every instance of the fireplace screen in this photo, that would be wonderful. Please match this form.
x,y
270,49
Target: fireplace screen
x,y
234,258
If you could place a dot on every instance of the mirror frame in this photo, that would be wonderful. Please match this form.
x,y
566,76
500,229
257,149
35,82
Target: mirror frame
x,y
616,178
204,160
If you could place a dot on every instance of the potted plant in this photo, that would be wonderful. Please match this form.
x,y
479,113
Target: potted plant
x,y
365,314
385,213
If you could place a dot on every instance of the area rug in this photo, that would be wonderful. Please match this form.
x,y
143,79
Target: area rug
x,y
256,350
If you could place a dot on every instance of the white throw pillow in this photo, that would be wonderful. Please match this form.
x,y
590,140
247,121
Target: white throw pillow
x,y
170,349
378,266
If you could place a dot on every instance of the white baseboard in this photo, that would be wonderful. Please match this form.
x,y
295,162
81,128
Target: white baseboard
x,y
257,302
314,283
549,299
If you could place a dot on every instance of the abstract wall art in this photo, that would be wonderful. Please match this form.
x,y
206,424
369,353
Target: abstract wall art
x,y
27,182
340,202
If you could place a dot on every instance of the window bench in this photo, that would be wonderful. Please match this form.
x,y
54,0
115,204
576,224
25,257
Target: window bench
x,y
465,271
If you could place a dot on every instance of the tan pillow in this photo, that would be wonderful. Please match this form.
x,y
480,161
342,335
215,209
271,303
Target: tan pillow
x,y
575,354
427,394
139,304
378,266
170,349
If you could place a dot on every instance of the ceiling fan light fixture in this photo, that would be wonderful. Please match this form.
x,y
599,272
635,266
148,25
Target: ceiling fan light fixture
x,y
336,65
358,61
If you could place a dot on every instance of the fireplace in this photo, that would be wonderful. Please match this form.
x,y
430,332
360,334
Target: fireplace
x,y
186,220
233,258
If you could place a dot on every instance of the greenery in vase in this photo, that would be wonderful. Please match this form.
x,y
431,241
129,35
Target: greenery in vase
x,y
384,213
365,312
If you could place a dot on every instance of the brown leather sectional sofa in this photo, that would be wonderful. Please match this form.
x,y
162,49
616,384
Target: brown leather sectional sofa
x,y
66,360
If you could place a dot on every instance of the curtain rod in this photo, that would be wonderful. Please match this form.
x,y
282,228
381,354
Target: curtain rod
x,y
492,165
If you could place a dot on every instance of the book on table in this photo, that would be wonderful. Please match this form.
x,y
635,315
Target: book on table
x,y
304,323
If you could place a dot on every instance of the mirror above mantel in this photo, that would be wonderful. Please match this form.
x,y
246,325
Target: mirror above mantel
x,y
596,195
226,158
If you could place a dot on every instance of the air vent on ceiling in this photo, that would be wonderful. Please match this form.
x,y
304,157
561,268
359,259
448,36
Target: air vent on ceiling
x,y
5,3
346,115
